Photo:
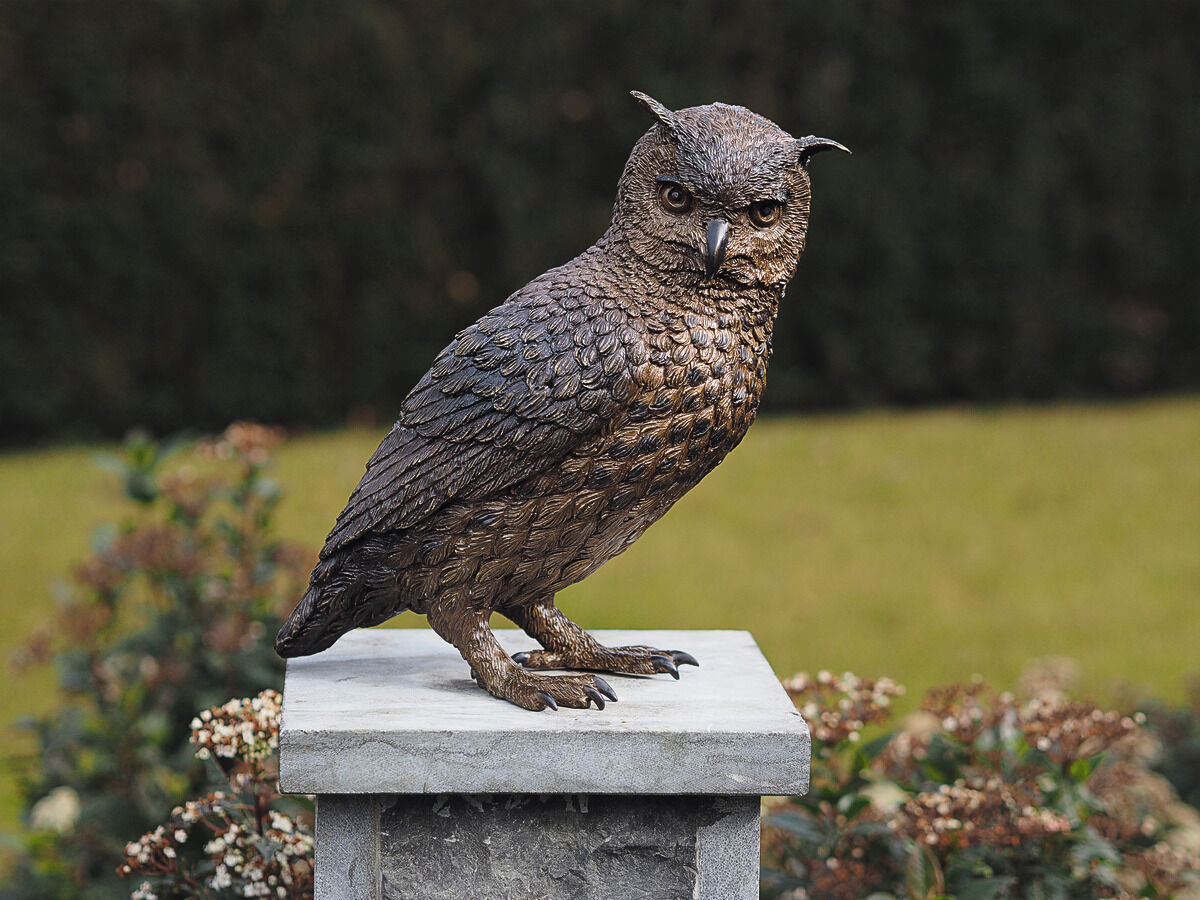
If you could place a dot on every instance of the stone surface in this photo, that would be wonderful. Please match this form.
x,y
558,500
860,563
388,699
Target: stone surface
x,y
727,850
540,847
393,711
556,847
347,863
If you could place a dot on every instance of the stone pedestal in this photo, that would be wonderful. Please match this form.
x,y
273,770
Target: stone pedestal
x,y
427,787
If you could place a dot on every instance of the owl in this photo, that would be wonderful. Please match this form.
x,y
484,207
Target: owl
x,y
549,435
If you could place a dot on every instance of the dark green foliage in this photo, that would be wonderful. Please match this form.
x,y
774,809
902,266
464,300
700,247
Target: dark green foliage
x,y
1178,730
283,209
171,614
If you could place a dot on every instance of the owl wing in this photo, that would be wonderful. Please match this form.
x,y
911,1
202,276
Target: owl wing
x,y
511,396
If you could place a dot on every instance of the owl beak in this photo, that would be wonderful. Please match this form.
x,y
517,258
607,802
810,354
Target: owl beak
x,y
714,246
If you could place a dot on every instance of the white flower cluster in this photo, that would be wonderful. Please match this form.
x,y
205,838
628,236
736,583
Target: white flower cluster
x,y
156,850
252,850
247,729
57,811
274,863
237,852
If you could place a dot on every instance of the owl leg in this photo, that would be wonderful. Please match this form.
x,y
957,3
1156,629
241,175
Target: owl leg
x,y
570,647
496,673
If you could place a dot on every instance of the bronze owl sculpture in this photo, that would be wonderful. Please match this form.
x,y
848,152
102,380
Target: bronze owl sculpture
x,y
554,431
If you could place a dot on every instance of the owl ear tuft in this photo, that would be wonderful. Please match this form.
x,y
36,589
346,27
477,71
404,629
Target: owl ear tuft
x,y
805,147
665,117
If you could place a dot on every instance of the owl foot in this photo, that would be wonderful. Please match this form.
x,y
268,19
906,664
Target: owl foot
x,y
623,660
493,671
539,692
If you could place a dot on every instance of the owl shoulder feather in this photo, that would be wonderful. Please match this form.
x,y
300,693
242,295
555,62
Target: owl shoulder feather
x,y
509,397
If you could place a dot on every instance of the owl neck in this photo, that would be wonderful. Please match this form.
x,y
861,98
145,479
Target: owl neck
x,y
687,291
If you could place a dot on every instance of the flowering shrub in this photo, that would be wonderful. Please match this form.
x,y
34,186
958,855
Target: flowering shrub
x,y
235,843
171,613
980,795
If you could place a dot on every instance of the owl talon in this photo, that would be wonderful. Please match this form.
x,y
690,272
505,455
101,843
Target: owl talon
x,y
684,659
539,692
519,658
604,688
665,664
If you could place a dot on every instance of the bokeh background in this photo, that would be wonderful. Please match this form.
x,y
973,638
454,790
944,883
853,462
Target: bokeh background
x,y
284,209
981,433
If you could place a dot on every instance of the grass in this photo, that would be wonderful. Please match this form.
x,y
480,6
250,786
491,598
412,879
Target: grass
x,y
925,546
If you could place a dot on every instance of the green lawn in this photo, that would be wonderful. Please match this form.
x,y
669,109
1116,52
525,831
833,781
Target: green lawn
x,y
926,546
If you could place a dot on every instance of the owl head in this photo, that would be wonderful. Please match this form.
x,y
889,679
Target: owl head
x,y
717,194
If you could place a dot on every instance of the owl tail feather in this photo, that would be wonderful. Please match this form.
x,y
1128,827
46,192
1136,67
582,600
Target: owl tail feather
x,y
348,590
297,637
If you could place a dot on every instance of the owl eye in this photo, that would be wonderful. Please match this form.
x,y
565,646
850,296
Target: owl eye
x,y
765,213
674,198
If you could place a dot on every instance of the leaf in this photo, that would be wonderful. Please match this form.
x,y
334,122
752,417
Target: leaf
x,y
871,749
922,875
871,829
943,758
773,882
796,824
850,805
1082,769
984,888
103,536
111,463
1093,847
1049,887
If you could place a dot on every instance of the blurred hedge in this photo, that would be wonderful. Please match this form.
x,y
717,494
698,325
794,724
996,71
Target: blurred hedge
x,y
213,209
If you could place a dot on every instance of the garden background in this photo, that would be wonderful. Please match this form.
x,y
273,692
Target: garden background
x,y
979,440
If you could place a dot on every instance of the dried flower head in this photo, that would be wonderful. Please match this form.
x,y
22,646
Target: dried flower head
x,y
1048,678
188,491
1137,803
965,711
838,708
843,877
1166,868
976,811
1068,730
248,440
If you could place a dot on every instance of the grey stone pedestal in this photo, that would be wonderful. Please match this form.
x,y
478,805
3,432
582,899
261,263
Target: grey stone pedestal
x,y
427,787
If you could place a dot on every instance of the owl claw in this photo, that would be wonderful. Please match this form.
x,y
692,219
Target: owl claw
x,y
596,696
684,659
519,658
665,664
550,701
604,688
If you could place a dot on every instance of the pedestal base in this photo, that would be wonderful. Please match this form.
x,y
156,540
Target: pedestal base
x,y
428,787
540,847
